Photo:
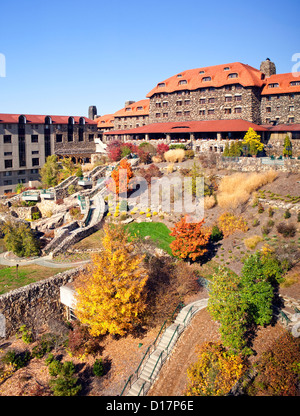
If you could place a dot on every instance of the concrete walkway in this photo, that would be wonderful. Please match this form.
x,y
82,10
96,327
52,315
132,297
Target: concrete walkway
x,y
46,261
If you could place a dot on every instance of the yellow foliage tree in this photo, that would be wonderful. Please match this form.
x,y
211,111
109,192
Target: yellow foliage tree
x,y
215,372
110,296
252,142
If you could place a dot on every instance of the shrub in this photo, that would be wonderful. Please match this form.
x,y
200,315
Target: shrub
x,y
162,148
189,154
215,372
71,190
170,168
151,172
287,214
174,155
255,222
145,157
216,234
59,201
229,223
64,383
287,230
209,201
278,369
98,368
26,334
75,212
251,242
260,208
18,360
80,343
270,212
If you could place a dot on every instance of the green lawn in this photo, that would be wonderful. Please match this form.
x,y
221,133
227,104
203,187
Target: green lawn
x,y
158,232
9,279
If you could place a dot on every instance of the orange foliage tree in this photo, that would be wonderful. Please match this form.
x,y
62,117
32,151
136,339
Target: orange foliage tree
x,y
110,297
120,177
215,372
191,239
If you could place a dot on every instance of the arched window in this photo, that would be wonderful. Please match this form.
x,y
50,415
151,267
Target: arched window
x,y
82,121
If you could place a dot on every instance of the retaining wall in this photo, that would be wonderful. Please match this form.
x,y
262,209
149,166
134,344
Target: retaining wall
x,y
35,304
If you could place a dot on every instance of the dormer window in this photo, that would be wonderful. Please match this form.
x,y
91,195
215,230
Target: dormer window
x,y
294,83
201,72
161,84
274,85
233,75
139,108
179,76
226,68
182,82
128,109
206,79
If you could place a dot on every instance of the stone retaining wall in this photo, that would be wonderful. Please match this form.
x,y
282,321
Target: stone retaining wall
x,y
249,164
35,304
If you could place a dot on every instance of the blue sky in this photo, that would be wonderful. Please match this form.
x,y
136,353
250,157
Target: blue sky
x,y
62,56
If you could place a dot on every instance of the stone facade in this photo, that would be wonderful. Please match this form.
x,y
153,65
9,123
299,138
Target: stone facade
x,y
130,122
281,108
35,304
231,102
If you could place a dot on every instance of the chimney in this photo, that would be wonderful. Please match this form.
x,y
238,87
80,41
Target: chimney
x,y
92,112
128,103
268,67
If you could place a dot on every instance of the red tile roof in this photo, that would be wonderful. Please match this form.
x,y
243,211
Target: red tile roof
x,y
195,78
105,121
284,84
192,127
139,108
40,119
285,127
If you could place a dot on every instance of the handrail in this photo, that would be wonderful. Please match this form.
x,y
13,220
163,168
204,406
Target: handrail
x,y
163,325
180,305
128,381
159,357
187,315
148,349
137,370
142,387
176,330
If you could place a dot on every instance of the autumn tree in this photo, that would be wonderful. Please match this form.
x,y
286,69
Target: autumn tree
x,y
110,296
252,142
227,306
191,239
49,171
120,178
215,372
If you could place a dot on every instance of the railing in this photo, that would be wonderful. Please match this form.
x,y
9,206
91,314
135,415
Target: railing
x,y
175,331
189,312
151,348
126,384
159,358
142,388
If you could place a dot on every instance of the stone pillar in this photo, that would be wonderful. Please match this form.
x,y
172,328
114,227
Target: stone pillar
x,y
219,136
168,138
147,137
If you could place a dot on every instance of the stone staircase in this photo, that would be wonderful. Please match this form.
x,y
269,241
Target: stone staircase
x,y
140,382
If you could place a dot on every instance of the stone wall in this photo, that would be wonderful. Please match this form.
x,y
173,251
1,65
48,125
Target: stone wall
x,y
249,164
166,107
280,107
130,122
36,304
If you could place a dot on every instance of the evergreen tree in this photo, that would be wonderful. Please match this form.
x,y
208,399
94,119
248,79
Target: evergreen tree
x,y
287,147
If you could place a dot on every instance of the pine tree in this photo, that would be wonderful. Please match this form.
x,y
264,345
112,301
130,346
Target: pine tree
x,y
110,296
287,147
